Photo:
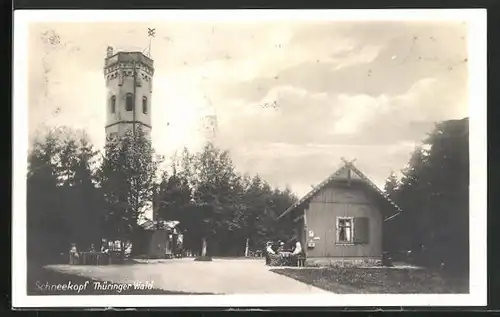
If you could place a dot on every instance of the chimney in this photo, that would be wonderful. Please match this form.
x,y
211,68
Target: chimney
x,y
109,51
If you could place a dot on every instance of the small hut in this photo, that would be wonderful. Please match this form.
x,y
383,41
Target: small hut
x,y
157,239
341,220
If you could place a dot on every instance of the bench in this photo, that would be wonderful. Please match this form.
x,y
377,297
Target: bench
x,y
95,258
286,260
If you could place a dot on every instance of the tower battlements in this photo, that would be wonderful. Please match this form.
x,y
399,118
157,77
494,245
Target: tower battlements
x,y
127,59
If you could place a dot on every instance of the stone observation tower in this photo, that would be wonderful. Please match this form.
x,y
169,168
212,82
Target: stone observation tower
x,y
129,83
209,126
208,122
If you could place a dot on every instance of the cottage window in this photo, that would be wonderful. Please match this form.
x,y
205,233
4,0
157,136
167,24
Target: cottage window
x,y
113,103
344,230
129,102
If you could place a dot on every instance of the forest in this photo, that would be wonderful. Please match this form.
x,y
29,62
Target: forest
x,y
78,194
433,192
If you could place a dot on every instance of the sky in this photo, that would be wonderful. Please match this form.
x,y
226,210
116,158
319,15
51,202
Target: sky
x,y
290,97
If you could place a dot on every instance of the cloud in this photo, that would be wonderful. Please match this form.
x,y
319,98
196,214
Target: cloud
x,y
306,165
305,138
303,117
290,98
395,56
354,111
366,54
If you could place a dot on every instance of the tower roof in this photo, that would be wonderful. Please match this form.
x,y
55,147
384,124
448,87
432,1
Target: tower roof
x,y
127,57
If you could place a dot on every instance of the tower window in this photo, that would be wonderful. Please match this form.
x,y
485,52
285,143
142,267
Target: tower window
x,y
129,102
145,105
113,104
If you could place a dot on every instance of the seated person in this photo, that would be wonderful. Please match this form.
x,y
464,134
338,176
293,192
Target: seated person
x,y
269,248
281,248
298,248
104,247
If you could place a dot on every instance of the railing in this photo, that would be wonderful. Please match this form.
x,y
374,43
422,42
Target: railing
x,y
94,258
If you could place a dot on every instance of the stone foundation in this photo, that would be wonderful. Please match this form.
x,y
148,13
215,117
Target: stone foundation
x,y
344,262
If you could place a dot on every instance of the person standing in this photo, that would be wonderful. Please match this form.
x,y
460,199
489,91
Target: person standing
x,y
73,254
269,252
105,251
297,253
298,248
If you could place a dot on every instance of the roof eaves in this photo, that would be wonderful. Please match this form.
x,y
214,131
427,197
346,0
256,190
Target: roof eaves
x,y
312,192
381,192
330,178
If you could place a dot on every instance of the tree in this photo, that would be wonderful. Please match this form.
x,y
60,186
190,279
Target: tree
x,y
74,198
433,194
413,198
255,201
173,198
63,203
127,178
82,200
220,210
213,181
448,192
391,184
285,227
44,215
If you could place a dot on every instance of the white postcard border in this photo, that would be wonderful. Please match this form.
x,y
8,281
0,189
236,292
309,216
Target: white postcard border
x,y
476,19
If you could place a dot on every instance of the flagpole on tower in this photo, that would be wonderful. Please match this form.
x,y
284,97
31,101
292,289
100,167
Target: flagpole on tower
x,y
151,35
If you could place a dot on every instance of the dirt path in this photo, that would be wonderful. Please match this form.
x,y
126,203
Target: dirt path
x,y
221,276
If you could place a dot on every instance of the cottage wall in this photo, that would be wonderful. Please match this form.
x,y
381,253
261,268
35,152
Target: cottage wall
x,y
158,243
340,200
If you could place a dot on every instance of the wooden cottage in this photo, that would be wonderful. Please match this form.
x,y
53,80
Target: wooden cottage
x,y
341,219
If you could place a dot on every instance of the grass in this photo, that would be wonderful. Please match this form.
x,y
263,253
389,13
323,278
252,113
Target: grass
x,y
379,280
38,275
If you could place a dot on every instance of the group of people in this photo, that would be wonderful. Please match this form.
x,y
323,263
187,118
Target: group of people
x,y
74,254
280,250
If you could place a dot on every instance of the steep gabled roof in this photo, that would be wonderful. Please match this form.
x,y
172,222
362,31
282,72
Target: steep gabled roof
x,y
358,174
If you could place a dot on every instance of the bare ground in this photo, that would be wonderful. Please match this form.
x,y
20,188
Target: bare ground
x,y
220,276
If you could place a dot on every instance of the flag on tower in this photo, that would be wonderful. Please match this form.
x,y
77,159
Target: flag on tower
x,y
151,32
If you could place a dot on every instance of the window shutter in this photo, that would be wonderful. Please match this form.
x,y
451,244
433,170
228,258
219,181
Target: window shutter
x,y
362,230
337,231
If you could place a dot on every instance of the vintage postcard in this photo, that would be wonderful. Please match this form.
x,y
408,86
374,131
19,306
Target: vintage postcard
x,y
209,158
